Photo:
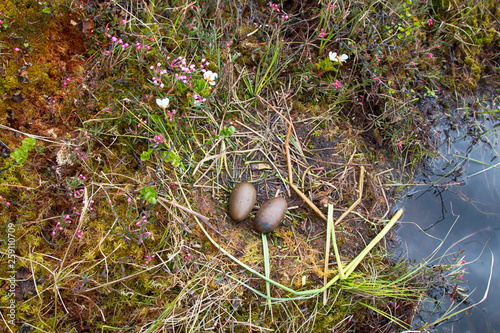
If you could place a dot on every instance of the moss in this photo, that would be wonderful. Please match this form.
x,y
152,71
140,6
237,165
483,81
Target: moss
x,y
476,71
114,173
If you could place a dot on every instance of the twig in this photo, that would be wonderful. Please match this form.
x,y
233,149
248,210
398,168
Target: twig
x,y
309,202
361,178
187,210
290,178
203,218
287,148
274,109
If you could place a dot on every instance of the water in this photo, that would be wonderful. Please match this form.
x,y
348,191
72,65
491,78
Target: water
x,y
465,199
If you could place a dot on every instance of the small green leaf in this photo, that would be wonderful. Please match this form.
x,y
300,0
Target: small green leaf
x,y
149,194
28,143
228,131
146,155
21,153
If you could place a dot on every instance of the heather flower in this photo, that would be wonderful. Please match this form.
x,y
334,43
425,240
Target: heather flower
x,y
149,258
146,234
338,58
198,99
431,22
210,77
170,115
163,103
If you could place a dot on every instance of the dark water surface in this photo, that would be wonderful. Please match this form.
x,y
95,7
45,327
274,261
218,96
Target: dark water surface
x,y
465,199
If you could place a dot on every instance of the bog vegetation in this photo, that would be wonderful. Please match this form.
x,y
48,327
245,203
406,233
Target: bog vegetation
x,y
125,125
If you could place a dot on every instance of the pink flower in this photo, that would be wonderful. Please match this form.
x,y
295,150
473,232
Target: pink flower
x,y
430,55
400,144
412,63
322,33
148,258
461,276
431,22
337,84
463,262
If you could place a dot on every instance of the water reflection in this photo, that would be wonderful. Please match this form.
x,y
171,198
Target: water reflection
x,y
466,192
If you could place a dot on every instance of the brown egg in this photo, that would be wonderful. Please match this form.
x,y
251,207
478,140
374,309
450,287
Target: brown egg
x,y
242,201
270,215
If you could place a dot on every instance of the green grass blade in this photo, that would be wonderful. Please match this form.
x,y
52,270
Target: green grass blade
x,y
265,250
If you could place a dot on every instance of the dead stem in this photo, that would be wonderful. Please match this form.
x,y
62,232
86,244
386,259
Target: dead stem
x,y
290,178
187,210
309,202
287,148
327,252
203,218
360,190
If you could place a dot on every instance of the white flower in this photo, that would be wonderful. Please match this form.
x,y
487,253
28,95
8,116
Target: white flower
x,y
210,77
337,58
163,103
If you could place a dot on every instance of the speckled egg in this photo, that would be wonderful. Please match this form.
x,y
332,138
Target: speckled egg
x,y
270,215
242,201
